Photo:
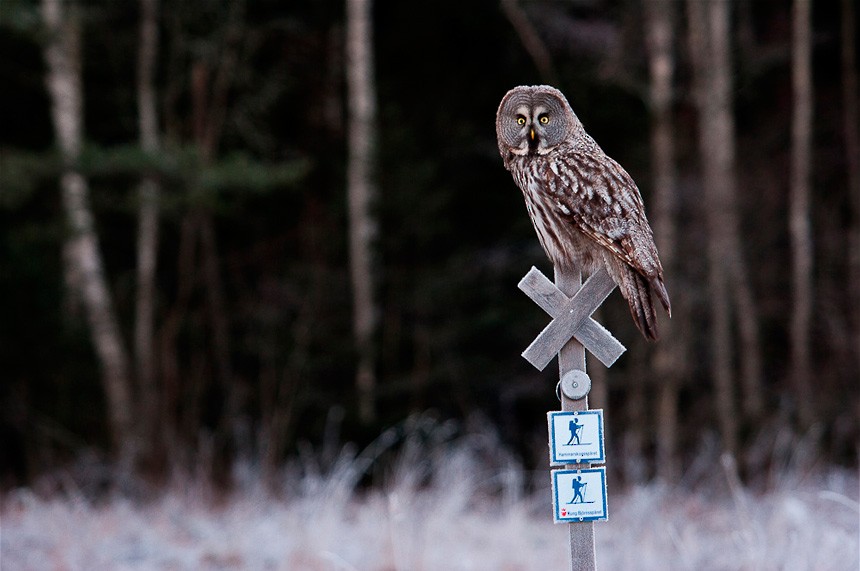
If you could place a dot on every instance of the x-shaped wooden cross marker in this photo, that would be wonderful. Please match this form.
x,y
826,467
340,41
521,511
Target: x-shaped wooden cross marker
x,y
571,318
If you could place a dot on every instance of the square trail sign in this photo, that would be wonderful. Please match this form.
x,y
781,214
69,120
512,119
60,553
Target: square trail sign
x,y
575,437
579,495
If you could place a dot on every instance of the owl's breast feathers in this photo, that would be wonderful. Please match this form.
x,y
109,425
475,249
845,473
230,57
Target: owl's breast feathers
x,y
591,204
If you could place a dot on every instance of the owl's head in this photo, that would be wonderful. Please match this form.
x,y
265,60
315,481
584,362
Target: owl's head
x,y
534,120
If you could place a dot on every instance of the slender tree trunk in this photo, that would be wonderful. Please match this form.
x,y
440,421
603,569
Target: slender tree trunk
x,y
669,354
746,311
171,374
530,39
852,155
752,402
210,106
362,191
708,26
799,210
216,301
147,225
209,112
710,145
209,86
63,59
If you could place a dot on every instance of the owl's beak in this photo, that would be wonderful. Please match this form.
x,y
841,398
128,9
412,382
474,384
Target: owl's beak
x,y
532,133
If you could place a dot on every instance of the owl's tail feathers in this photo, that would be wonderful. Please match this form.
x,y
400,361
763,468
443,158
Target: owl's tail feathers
x,y
659,289
637,290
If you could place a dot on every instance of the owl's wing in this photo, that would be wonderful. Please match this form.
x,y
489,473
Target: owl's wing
x,y
598,196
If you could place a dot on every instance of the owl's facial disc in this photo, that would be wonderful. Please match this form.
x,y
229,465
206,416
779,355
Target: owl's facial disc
x,y
528,121
538,138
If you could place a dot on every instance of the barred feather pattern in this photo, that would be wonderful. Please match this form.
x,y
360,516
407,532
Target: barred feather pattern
x,y
588,213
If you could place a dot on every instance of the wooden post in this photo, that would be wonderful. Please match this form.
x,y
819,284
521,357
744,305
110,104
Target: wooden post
x,y
570,303
572,357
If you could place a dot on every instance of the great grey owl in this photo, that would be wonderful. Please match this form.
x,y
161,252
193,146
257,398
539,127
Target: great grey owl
x,y
586,209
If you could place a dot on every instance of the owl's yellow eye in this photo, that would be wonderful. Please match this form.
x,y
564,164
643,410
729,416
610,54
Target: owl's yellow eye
x,y
521,120
544,119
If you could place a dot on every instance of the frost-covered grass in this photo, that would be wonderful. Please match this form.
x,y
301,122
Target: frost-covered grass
x,y
441,504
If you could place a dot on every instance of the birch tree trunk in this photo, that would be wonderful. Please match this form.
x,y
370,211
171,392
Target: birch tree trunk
x,y
147,228
799,210
361,189
62,54
669,354
709,37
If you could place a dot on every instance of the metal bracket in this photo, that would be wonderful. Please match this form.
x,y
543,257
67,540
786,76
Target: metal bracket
x,y
575,384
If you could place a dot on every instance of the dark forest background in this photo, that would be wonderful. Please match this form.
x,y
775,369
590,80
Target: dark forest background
x,y
253,345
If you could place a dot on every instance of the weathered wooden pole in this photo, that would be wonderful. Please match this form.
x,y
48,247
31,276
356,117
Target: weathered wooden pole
x,y
572,358
572,330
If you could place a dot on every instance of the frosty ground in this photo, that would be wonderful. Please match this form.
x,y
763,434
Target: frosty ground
x,y
456,505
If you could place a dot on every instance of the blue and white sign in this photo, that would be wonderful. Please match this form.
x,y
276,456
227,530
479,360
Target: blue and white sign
x,y
579,495
575,437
